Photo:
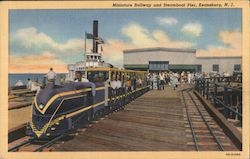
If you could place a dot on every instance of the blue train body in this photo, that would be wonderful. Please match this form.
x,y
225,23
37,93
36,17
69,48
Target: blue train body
x,y
60,109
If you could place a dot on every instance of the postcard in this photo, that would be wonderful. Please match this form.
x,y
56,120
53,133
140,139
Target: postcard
x,y
124,79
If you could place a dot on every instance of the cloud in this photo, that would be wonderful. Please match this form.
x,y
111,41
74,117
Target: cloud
x,y
113,50
167,20
36,63
139,37
163,40
35,51
30,38
231,38
193,29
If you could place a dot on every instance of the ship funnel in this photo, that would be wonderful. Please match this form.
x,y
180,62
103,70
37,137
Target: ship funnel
x,y
95,36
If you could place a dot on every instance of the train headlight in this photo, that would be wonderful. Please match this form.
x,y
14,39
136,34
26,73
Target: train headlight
x,y
41,106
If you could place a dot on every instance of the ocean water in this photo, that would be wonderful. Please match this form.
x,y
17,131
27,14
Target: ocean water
x,y
13,78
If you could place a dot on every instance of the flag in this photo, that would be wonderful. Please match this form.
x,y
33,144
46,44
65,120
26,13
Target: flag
x,y
89,36
99,40
101,48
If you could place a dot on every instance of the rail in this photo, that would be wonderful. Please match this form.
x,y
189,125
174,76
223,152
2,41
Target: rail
x,y
190,123
224,97
219,144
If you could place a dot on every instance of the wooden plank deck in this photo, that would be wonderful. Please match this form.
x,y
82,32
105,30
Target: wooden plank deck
x,y
153,122
18,117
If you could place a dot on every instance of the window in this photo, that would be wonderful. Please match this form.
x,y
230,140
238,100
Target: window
x,y
216,67
158,65
98,76
237,67
199,68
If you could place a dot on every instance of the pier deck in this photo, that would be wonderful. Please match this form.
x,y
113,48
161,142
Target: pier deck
x,y
19,108
153,121
19,116
156,121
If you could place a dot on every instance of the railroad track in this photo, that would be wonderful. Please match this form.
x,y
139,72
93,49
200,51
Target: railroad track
x,y
21,142
33,144
206,134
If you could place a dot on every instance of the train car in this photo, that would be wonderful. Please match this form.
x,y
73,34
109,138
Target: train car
x,y
59,109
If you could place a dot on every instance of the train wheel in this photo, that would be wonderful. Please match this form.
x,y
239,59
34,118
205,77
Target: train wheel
x,y
97,114
102,112
106,110
88,119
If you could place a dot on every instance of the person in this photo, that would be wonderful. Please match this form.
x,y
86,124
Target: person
x,y
62,80
150,80
118,85
140,82
128,84
29,83
118,82
182,77
133,81
113,85
51,75
113,82
80,77
174,80
19,83
35,86
226,74
189,77
158,81
154,81
161,77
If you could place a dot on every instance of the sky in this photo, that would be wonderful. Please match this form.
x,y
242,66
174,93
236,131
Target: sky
x,y
40,39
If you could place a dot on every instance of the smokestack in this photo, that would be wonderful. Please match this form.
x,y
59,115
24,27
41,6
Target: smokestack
x,y
95,35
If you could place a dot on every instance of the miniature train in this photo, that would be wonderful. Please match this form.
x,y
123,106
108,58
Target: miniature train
x,y
59,109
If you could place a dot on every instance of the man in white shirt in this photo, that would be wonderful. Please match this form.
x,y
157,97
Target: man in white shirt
x,y
35,87
189,77
118,85
162,78
226,74
113,84
29,84
51,75
118,82
80,77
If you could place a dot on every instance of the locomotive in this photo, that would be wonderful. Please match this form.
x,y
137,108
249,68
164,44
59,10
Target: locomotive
x,y
59,109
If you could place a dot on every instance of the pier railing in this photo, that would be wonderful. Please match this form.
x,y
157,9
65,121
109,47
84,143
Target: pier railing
x,y
225,98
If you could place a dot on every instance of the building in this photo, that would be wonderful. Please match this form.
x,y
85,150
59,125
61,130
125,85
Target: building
x,y
162,59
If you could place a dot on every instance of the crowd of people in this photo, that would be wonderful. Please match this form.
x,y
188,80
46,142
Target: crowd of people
x,y
34,85
173,79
